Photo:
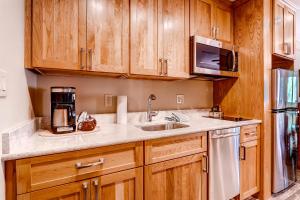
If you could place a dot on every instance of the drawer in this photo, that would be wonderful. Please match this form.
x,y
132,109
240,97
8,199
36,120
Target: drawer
x,y
250,132
47,171
174,147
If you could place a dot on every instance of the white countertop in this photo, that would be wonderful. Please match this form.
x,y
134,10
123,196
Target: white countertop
x,y
108,134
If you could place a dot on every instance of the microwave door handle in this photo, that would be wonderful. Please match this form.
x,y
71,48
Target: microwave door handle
x,y
233,59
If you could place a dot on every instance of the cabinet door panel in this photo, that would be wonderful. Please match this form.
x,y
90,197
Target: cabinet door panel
x,y
72,191
278,31
121,185
178,179
201,18
223,22
174,27
250,169
108,35
144,37
289,31
59,34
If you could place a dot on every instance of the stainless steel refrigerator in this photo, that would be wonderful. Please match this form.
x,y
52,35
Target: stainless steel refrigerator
x,y
284,128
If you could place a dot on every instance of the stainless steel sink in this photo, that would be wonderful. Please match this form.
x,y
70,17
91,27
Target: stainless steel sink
x,y
163,127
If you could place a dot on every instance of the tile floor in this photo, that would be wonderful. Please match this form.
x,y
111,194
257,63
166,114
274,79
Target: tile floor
x,y
292,193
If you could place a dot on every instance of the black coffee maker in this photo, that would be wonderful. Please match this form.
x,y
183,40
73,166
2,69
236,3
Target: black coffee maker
x,y
63,114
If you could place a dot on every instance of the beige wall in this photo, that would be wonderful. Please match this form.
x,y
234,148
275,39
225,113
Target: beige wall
x,y
91,90
16,107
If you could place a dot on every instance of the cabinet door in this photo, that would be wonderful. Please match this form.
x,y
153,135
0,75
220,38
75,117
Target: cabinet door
x,y
178,179
249,168
126,184
173,19
76,191
143,38
289,32
223,23
59,34
201,18
278,28
108,35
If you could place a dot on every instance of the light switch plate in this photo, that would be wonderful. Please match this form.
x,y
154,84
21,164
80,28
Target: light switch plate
x,y
108,98
3,84
180,98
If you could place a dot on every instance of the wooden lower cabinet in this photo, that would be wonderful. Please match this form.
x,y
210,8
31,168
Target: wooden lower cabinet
x,y
78,190
249,168
121,185
126,184
179,179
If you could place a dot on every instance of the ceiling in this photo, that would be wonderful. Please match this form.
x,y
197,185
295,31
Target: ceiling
x,y
296,3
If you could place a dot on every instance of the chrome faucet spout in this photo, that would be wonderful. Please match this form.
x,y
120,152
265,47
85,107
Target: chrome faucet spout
x,y
150,113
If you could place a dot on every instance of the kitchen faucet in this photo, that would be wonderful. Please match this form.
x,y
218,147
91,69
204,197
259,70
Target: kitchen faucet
x,y
150,113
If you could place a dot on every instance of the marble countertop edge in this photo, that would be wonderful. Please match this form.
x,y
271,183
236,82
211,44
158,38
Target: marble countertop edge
x,y
125,134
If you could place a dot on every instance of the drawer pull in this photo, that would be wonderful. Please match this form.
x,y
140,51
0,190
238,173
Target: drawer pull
x,y
80,165
250,133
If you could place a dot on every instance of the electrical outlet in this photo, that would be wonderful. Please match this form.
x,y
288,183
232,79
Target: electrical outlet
x,y
3,86
108,100
180,99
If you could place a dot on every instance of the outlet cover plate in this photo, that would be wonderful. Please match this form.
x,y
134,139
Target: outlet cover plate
x,y
180,98
3,83
108,100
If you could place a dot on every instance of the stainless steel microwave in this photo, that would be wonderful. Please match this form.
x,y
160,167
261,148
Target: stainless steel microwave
x,y
209,58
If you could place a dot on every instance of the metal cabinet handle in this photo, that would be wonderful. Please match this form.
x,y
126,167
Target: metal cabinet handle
x,y
213,32
80,165
161,66
244,153
250,133
85,190
205,168
96,184
166,67
286,49
217,32
81,58
91,59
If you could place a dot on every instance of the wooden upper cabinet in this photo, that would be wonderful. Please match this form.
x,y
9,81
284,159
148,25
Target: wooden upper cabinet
x,y
59,34
212,19
144,37
108,35
159,38
126,184
201,18
223,23
181,178
174,33
78,190
278,33
289,32
284,24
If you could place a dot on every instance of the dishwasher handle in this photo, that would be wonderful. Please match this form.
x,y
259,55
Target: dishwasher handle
x,y
216,136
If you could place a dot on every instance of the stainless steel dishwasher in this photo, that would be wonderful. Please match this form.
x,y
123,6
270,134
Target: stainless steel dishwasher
x,y
224,173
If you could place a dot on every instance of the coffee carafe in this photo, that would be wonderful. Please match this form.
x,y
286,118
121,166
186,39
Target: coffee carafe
x,y
63,114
